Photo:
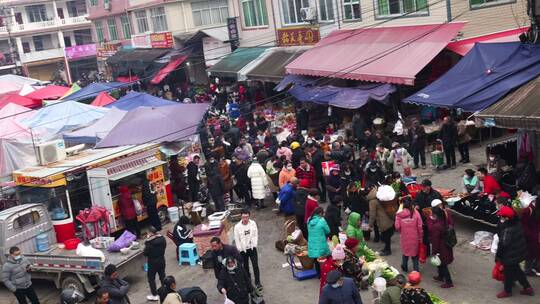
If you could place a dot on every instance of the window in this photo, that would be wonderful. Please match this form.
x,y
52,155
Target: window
x,y
326,10
142,22
254,13
27,219
400,7
113,33
159,19
38,43
126,27
76,8
351,9
291,10
67,41
36,13
53,198
209,12
482,3
93,2
26,47
99,31
82,37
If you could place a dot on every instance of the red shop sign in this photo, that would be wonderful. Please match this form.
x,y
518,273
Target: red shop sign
x,y
162,40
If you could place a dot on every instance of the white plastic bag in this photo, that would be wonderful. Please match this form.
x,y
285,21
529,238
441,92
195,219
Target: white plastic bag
x,y
386,193
495,244
526,198
435,260
138,207
482,240
88,251
228,301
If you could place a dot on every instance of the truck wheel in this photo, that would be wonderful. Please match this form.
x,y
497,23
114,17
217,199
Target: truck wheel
x,y
163,215
72,282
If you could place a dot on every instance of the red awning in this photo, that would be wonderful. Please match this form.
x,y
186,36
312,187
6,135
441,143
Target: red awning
x,y
166,70
385,54
51,92
102,100
127,79
15,98
462,47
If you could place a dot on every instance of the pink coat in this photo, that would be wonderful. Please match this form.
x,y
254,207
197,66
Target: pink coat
x,y
411,231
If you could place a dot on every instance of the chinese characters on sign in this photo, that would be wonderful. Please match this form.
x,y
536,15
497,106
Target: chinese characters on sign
x,y
107,50
153,41
232,28
80,51
298,36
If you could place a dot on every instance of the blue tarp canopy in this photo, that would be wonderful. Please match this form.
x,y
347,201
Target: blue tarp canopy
x,y
98,130
349,98
486,74
93,89
135,99
64,116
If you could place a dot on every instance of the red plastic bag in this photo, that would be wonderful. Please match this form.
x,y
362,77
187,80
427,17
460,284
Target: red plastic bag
x,y
497,272
422,252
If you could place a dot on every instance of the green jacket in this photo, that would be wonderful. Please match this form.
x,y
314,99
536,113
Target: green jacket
x,y
353,228
317,231
391,295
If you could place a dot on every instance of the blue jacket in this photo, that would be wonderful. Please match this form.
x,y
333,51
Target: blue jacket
x,y
234,110
317,231
286,198
346,294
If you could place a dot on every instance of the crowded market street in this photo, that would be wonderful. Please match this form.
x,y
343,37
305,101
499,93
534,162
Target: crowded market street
x,y
472,269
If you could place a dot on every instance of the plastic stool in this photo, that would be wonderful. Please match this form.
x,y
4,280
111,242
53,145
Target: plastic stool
x,y
187,253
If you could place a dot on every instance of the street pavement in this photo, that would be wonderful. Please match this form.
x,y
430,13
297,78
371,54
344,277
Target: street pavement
x,y
471,270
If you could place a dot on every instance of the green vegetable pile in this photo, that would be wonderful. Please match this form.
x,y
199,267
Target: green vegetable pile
x,y
516,204
435,299
367,253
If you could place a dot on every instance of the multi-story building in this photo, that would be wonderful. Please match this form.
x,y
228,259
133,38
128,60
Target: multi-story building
x,y
35,35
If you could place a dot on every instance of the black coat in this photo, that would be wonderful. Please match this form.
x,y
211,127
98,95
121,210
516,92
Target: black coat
x,y
512,248
356,202
448,134
423,200
216,186
317,159
241,175
219,256
154,250
237,284
333,219
420,141
117,290
300,197
192,171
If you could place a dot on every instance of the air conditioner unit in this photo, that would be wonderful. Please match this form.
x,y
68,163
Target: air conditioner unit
x,y
107,4
308,13
51,151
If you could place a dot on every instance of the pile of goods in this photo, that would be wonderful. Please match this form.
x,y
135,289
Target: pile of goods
x,y
481,208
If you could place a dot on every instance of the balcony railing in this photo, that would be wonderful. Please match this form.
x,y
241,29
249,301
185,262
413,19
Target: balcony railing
x,y
42,55
45,25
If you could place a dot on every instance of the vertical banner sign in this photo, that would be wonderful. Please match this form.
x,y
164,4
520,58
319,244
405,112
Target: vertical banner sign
x,y
232,28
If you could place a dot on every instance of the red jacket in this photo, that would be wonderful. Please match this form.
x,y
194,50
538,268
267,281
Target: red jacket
x,y
311,205
491,186
126,204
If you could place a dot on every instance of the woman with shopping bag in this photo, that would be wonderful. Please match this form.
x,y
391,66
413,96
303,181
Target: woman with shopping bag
x,y
409,225
437,226
234,283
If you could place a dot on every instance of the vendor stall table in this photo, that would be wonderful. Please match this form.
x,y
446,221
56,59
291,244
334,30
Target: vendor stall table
x,y
474,219
202,238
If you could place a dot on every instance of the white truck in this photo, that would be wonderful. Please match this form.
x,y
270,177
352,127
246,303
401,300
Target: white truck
x,y
20,225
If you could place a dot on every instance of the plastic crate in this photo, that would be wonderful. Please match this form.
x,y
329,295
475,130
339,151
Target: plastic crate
x,y
102,242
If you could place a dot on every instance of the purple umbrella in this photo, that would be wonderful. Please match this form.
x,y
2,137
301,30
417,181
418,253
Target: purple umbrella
x,y
155,125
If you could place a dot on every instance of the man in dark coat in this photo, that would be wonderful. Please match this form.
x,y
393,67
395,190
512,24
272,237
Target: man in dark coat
x,y
234,282
417,144
243,182
220,252
193,178
216,187
339,290
358,128
333,215
150,201
117,288
449,136
154,251
512,250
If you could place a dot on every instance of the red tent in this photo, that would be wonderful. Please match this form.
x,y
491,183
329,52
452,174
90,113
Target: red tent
x,y
102,100
19,100
51,92
127,79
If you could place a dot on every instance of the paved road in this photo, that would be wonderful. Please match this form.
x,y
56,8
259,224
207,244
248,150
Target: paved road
x,y
471,269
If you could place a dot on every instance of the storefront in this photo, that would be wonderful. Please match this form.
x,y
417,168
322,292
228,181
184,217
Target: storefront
x,y
82,61
46,70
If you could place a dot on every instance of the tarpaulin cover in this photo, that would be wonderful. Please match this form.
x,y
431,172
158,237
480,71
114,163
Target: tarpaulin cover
x,y
49,92
27,89
74,88
64,116
392,54
10,116
296,79
93,89
127,79
272,67
231,64
98,130
20,100
140,62
166,70
15,112
136,99
349,98
102,100
8,87
462,47
518,110
487,73
156,125
19,81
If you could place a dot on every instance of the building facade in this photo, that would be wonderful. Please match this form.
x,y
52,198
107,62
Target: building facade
x,y
34,36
